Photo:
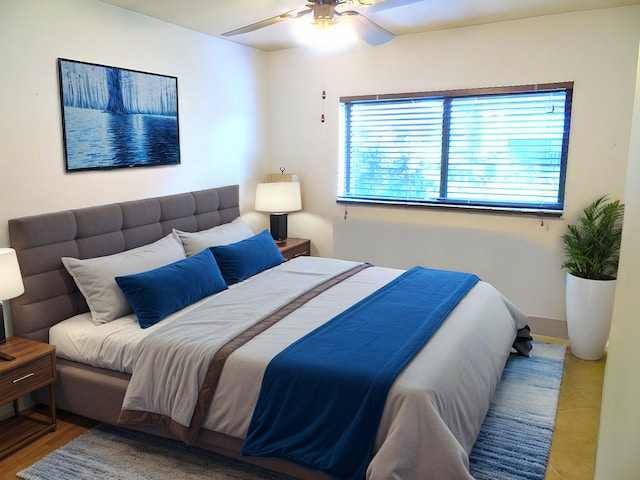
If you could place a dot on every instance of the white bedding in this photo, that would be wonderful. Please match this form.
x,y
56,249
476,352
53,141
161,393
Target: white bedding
x,y
109,345
114,345
434,409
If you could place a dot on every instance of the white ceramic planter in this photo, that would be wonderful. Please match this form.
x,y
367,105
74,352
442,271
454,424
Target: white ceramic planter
x,y
589,306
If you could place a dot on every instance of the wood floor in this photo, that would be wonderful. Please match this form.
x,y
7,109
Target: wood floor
x,y
572,449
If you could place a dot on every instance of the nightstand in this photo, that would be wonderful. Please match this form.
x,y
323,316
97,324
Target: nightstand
x,y
295,247
33,367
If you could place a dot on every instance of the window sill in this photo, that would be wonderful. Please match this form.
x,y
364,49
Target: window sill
x,y
451,207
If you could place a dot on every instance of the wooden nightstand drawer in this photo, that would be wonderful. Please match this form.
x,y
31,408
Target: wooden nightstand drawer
x,y
298,251
295,247
26,378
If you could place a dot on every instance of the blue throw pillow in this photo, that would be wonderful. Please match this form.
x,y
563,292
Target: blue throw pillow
x,y
241,260
157,293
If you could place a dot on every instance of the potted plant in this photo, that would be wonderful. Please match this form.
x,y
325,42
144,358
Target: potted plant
x,y
593,250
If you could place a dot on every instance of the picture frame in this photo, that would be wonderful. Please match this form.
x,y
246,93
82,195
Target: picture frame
x,y
117,118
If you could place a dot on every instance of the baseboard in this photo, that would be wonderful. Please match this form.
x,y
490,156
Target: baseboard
x,y
548,327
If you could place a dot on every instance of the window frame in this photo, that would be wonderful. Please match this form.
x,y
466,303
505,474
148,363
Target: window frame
x,y
447,96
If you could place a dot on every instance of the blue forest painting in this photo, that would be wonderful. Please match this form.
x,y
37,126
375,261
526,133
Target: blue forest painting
x,y
114,117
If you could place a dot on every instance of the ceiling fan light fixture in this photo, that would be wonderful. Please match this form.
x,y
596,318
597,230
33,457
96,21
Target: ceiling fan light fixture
x,y
323,24
327,20
323,17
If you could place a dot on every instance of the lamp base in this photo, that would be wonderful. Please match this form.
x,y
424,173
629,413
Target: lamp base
x,y
3,335
278,227
3,339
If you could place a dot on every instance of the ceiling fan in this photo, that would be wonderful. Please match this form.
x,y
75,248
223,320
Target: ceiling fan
x,y
325,14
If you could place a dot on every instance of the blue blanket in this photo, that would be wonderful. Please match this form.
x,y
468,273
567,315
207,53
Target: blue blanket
x,y
322,397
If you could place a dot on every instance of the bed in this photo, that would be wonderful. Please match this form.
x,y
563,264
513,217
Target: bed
x,y
432,411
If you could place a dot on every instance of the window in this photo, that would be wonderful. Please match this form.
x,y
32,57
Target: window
x,y
503,149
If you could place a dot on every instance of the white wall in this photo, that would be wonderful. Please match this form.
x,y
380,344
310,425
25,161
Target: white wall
x,y
619,437
235,127
220,97
520,255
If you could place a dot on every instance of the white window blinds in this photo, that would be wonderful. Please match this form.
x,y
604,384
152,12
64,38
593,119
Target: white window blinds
x,y
500,150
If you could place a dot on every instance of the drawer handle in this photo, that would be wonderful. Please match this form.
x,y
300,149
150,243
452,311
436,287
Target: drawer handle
x,y
24,377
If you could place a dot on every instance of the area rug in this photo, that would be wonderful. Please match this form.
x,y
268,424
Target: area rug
x,y
514,441
515,438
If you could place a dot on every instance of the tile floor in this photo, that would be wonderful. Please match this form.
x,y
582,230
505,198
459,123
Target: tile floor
x,y
573,447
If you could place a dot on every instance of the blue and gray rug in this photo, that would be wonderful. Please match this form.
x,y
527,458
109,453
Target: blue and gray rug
x,y
513,444
515,438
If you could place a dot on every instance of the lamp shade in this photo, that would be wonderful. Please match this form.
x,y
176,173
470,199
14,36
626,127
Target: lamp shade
x,y
10,279
278,197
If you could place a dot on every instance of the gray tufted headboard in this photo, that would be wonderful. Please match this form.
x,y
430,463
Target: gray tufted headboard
x,y
40,241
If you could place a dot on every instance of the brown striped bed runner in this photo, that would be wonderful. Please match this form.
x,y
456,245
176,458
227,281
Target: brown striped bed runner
x,y
210,383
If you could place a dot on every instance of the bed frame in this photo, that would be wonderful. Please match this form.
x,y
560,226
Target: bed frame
x,y
51,294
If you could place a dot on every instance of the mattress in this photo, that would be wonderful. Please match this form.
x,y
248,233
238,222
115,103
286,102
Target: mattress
x,y
434,409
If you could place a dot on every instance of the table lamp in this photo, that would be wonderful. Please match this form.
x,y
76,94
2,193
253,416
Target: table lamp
x,y
278,198
10,285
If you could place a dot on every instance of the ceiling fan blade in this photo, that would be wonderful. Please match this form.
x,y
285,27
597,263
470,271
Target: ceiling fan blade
x,y
269,21
367,29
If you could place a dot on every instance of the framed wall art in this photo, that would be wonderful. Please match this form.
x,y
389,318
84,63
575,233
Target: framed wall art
x,y
114,118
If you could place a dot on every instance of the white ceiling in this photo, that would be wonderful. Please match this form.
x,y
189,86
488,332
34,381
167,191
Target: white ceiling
x,y
215,17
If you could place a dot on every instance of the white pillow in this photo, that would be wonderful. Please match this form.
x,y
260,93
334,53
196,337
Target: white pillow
x,y
95,277
195,242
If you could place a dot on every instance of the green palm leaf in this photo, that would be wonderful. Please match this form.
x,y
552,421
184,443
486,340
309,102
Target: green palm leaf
x,y
593,245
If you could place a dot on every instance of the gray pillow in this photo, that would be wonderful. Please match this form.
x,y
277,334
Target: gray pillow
x,y
195,242
95,277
